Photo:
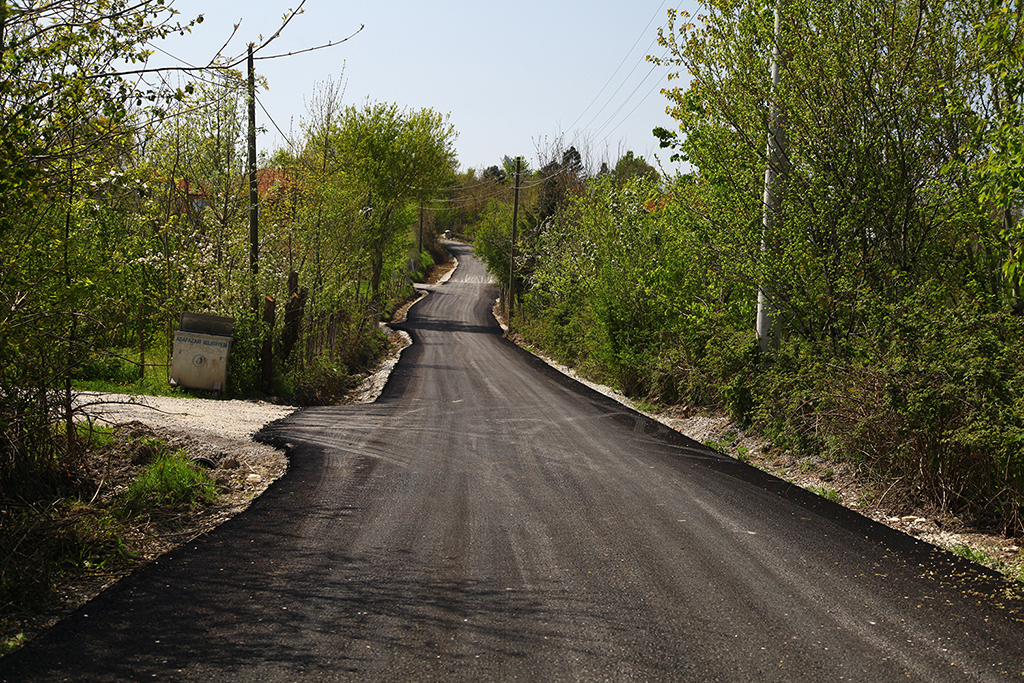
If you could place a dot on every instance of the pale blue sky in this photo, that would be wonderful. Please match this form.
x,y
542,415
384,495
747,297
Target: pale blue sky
x,y
513,76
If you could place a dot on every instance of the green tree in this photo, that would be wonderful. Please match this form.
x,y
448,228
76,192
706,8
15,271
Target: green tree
x,y
66,110
629,166
1001,42
392,156
872,205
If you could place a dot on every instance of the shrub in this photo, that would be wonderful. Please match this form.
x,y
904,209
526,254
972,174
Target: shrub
x,y
321,384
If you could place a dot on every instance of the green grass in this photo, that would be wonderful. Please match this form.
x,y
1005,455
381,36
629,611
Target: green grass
x,y
646,407
827,493
117,372
973,554
724,443
91,436
153,384
169,481
979,556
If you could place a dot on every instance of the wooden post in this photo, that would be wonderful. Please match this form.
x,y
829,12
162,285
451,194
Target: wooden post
x,y
269,316
254,230
293,313
419,248
142,344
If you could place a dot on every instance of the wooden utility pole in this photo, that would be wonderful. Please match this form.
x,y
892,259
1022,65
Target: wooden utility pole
x,y
512,246
254,215
768,327
419,247
267,352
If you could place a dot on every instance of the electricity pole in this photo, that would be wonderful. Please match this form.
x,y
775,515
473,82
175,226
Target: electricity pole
x,y
419,246
254,215
768,326
512,246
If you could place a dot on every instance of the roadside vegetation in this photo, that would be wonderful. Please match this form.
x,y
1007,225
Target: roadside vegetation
x,y
99,525
892,267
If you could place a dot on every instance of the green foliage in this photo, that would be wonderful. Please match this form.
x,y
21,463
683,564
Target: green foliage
x,y
826,493
391,157
424,265
629,167
321,385
245,378
169,481
1001,44
107,365
12,644
69,204
872,205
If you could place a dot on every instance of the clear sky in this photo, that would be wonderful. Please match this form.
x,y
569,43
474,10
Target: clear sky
x,y
513,76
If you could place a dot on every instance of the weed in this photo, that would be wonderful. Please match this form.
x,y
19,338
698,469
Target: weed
x,y
11,644
974,555
826,492
743,453
979,556
724,443
169,481
645,407
720,446
867,497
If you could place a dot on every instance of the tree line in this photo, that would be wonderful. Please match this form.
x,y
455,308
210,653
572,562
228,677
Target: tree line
x,y
893,262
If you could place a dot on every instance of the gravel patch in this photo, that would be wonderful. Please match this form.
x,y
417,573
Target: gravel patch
x,y
236,420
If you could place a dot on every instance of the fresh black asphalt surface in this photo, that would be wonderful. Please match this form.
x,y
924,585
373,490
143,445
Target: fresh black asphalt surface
x,y
491,520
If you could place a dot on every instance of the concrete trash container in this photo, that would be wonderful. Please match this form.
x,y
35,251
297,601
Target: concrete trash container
x,y
202,346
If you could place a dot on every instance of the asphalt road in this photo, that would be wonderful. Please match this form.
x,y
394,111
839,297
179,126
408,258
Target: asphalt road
x,y
491,520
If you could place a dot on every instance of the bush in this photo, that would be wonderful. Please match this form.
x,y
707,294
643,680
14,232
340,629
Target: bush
x,y
426,263
108,366
929,406
321,384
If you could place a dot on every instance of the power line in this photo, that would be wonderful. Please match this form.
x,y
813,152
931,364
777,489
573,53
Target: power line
x,y
610,78
608,121
625,102
644,99
287,139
